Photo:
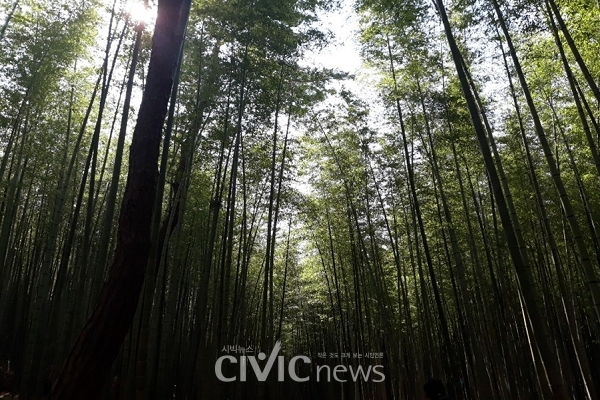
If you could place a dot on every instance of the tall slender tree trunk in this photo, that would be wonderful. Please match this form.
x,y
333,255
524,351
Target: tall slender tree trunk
x,y
446,341
579,350
96,348
582,65
591,279
520,260
103,246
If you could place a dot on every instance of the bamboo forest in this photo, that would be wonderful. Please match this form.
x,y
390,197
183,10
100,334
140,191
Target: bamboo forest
x,y
299,199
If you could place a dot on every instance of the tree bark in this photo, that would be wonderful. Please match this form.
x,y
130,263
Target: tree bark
x,y
98,344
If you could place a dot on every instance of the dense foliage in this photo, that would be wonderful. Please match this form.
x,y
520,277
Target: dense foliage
x,y
451,224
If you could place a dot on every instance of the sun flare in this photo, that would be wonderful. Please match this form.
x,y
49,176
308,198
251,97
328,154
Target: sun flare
x,y
138,12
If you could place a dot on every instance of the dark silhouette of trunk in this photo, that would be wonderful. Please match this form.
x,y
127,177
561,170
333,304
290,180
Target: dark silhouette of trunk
x,y
446,342
98,344
268,321
158,233
103,246
8,18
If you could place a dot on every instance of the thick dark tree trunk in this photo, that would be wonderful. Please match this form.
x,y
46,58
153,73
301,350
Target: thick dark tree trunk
x,y
98,344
